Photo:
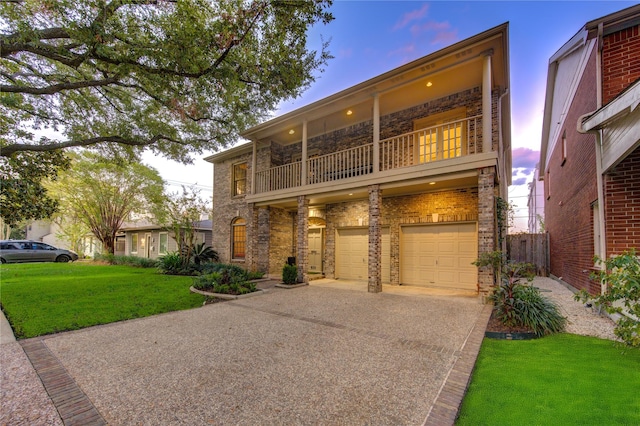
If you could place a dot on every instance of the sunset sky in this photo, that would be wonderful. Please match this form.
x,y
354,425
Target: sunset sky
x,y
368,38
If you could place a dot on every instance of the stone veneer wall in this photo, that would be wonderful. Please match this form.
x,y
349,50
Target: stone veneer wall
x,y
460,205
282,240
226,208
391,125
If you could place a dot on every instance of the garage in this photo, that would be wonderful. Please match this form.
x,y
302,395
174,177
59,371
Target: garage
x,y
352,254
439,256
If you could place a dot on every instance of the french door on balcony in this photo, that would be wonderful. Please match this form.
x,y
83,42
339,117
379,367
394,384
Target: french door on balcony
x,y
440,136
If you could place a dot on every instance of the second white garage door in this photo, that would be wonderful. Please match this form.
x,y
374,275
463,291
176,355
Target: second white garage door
x,y
352,248
439,256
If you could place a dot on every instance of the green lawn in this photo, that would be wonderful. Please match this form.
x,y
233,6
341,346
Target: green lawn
x,y
44,298
562,379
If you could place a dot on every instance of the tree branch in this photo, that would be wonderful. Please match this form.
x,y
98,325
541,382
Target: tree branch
x,y
9,150
55,88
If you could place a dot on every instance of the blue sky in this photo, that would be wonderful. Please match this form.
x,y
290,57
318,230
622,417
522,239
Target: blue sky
x,y
368,38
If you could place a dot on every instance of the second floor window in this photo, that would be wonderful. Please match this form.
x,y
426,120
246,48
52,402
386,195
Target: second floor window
x,y
441,136
240,179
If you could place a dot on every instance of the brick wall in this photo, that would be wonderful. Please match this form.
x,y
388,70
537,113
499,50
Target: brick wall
x,y
570,190
620,61
282,241
622,198
226,208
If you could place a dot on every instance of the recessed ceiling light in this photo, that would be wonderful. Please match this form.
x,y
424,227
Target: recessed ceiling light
x,y
291,131
351,193
429,84
349,112
432,183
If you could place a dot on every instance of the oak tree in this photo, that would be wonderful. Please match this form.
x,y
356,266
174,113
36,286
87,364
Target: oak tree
x,y
102,194
176,77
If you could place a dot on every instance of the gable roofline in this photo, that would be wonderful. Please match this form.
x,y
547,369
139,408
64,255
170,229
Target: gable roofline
x,y
364,88
236,151
611,23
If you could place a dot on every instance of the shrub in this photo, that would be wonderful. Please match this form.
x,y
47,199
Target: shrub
x,y
289,274
622,276
171,263
201,253
255,275
226,280
138,262
517,304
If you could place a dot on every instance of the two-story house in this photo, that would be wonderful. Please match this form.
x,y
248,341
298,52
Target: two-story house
x,y
590,152
394,180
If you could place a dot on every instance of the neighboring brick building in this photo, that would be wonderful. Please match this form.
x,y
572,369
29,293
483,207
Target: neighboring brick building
x,y
394,180
590,153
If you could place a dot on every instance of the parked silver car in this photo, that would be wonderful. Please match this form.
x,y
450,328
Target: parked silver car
x,y
14,251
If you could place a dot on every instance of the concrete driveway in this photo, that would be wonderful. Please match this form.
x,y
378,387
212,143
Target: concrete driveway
x,y
319,354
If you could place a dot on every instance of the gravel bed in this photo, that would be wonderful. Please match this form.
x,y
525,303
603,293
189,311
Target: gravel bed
x,y
581,319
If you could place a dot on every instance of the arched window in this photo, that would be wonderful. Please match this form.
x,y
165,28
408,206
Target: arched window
x,y
238,238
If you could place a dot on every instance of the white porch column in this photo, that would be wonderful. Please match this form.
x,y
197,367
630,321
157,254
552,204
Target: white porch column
x,y
305,171
486,102
376,133
254,165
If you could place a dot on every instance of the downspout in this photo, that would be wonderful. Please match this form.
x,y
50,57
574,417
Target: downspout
x,y
600,185
504,191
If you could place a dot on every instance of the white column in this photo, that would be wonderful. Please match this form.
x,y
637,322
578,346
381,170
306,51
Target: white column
x,y
376,133
254,165
486,103
305,172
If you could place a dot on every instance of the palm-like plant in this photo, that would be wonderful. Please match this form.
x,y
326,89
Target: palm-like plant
x,y
202,253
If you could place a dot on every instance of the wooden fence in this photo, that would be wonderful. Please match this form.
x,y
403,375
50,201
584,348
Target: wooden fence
x,y
530,248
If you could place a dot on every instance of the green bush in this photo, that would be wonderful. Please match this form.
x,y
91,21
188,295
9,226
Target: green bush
x,y
255,275
225,281
139,262
170,263
622,276
517,304
290,274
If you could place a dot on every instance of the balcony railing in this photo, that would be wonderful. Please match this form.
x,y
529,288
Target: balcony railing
x,y
446,141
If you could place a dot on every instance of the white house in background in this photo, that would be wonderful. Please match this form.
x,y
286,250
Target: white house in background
x,y
49,232
535,204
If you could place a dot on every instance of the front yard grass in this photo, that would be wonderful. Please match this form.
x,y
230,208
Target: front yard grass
x,y
561,379
44,298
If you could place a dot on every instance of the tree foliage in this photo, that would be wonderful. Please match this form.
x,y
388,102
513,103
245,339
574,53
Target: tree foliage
x,y
22,195
102,194
180,215
176,77
621,274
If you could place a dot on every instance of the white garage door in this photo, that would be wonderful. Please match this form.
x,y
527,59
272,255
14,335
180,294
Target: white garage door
x,y
439,256
352,254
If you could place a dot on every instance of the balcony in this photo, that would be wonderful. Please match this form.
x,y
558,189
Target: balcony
x,y
425,148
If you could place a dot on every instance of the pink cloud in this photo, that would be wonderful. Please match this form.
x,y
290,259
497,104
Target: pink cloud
x,y
418,29
525,158
404,50
411,16
445,37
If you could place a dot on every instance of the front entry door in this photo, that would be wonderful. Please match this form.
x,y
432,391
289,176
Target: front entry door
x,y
315,250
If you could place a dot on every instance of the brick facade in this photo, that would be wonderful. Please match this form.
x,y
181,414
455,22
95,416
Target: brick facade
x,y
375,240
275,234
487,192
622,195
570,191
620,61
